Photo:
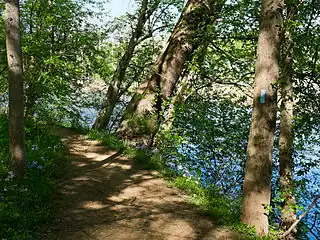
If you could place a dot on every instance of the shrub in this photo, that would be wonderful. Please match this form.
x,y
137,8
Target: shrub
x,y
25,205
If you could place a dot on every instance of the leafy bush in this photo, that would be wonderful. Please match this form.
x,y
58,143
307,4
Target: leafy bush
x,y
25,205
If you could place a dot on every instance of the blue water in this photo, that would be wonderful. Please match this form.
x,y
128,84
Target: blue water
x,y
89,114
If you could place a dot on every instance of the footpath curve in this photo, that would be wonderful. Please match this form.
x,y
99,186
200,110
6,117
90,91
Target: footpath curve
x,y
106,196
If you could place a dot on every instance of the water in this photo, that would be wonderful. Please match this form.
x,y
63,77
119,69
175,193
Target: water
x,y
205,172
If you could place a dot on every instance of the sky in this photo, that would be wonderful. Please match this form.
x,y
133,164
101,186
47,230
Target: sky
x,y
114,8
120,7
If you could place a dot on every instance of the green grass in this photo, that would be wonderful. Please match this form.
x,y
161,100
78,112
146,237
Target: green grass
x,y
139,155
225,212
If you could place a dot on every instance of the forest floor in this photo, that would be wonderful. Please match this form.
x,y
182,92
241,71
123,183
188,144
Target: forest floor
x,y
105,195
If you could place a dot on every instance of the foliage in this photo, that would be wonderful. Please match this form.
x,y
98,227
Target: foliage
x,y
250,232
208,144
110,140
139,153
25,205
65,49
57,40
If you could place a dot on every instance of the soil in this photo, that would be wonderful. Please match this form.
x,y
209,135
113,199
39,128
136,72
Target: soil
x,y
105,195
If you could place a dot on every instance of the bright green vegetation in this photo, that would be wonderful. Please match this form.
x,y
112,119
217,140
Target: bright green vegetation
x,y
25,206
223,211
110,140
185,111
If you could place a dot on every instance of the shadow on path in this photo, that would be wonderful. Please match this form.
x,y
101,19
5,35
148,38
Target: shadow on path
x,y
105,195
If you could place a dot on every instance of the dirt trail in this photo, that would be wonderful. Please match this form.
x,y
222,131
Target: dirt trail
x,y
105,195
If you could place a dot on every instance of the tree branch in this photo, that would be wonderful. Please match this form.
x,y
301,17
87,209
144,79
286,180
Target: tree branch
x,y
150,33
293,226
219,81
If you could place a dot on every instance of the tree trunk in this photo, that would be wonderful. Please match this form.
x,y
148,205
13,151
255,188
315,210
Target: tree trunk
x,y
113,93
285,150
16,99
108,106
142,117
257,182
285,138
184,86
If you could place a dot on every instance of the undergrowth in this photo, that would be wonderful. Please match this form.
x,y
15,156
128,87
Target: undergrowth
x,y
25,205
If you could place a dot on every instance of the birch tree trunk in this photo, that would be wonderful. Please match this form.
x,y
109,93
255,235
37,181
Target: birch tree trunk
x,y
16,99
143,115
257,182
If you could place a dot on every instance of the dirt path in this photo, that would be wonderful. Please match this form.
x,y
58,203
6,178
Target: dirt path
x,y
107,196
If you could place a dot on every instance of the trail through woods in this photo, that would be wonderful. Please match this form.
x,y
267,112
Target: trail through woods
x,y
105,195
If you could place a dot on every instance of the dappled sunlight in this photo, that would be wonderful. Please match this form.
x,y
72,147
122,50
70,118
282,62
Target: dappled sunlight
x,y
79,164
122,166
179,227
95,205
105,195
132,191
85,178
96,156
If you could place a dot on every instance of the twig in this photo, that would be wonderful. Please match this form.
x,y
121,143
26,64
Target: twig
x,y
286,233
317,238
5,68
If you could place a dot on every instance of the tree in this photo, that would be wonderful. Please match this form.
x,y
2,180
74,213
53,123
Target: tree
x,y
16,96
149,21
257,182
112,97
57,39
143,115
288,215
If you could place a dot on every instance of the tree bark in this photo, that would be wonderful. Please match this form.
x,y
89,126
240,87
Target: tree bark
x,y
182,87
113,93
285,138
285,151
257,182
16,99
143,115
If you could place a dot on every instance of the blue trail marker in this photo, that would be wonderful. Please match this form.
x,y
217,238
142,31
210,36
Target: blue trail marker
x,y
263,96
